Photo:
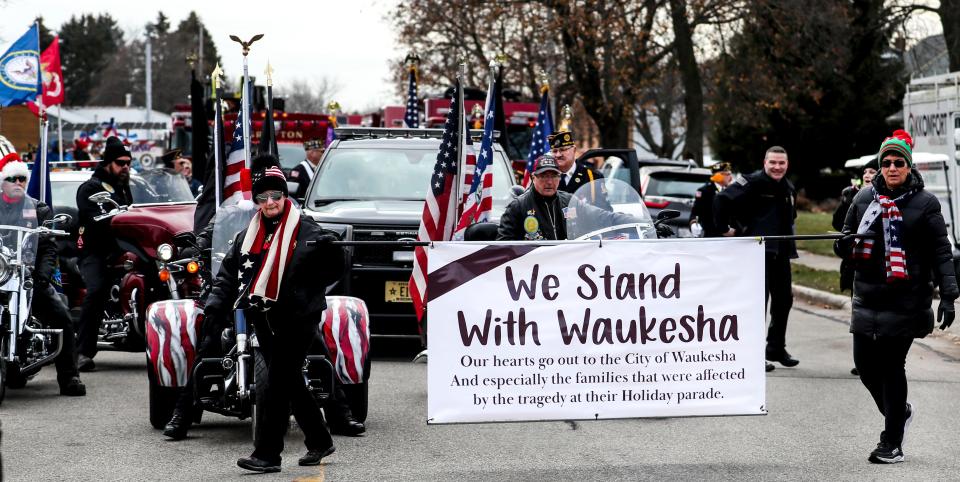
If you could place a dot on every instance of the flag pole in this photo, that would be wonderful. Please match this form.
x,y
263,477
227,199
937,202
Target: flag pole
x,y
245,95
461,142
59,133
43,123
217,135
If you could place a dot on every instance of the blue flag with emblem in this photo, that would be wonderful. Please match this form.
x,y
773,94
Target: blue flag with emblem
x,y
539,142
20,78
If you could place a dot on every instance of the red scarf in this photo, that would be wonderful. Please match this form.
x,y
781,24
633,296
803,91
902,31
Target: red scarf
x,y
272,254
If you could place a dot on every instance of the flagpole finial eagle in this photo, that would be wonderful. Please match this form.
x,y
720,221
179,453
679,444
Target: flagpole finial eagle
x,y
412,60
544,80
334,107
246,45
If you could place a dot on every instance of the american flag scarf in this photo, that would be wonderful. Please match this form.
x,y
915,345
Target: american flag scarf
x,y
895,258
264,257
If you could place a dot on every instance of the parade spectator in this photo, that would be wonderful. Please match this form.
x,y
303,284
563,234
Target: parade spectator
x,y
701,215
840,215
763,203
81,153
894,277
284,298
186,168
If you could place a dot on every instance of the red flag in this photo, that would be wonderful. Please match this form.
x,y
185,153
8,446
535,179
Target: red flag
x,y
52,77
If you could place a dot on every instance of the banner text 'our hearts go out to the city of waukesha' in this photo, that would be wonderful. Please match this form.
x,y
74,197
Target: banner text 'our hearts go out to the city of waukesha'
x,y
582,331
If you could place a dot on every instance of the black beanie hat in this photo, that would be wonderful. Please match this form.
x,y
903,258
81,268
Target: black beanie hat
x,y
873,164
114,150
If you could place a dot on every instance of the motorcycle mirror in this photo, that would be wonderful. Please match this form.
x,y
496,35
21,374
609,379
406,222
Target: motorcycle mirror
x,y
666,214
62,218
99,197
516,190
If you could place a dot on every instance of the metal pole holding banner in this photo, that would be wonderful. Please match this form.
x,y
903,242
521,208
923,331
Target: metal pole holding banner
x,y
60,133
245,95
462,132
217,141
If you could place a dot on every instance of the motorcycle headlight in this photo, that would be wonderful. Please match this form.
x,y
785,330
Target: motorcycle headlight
x,y
5,271
165,252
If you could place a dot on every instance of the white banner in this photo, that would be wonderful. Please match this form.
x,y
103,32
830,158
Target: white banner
x,y
665,328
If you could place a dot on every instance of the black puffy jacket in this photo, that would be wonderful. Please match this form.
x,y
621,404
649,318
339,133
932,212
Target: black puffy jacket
x,y
902,307
302,296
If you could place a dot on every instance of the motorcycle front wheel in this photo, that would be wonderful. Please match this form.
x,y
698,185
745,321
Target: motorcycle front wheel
x,y
261,384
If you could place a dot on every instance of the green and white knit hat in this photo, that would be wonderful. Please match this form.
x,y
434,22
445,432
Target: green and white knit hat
x,y
899,143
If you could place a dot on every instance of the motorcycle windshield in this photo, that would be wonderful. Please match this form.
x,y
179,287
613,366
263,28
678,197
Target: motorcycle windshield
x,y
608,209
230,219
160,186
18,243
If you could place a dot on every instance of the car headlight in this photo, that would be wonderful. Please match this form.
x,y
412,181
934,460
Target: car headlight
x,y
5,270
165,252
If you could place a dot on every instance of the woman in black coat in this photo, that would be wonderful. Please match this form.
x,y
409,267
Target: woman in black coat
x,y
895,274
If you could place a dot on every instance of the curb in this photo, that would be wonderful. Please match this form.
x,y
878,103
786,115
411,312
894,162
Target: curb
x,y
822,297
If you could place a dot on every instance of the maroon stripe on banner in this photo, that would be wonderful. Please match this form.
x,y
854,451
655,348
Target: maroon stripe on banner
x,y
464,269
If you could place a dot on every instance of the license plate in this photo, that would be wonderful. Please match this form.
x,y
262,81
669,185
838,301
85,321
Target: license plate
x,y
397,292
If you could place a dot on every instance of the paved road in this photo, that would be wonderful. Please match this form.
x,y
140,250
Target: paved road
x,y
821,426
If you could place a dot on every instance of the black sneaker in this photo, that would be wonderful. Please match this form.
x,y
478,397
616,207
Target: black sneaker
x,y
886,453
911,411
257,465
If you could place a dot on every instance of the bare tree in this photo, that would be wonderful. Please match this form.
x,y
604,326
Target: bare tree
x,y
304,95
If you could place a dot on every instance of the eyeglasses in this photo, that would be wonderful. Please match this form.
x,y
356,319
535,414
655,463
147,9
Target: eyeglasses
x,y
274,195
16,179
897,163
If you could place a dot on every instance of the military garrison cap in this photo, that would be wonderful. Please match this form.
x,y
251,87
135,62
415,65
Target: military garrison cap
x,y
313,144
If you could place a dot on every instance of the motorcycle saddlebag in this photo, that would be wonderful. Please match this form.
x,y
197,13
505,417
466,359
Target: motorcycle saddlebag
x,y
346,332
172,328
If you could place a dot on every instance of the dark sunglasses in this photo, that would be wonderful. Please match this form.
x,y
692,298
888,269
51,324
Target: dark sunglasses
x,y
121,163
898,163
16,179
275,195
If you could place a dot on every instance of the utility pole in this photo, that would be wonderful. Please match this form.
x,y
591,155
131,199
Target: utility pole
x,y
149,79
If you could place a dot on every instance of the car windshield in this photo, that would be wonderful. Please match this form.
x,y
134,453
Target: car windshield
x,y
64,193
378,174
291,154
159,186
669,184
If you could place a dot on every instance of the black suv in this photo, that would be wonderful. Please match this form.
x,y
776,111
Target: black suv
x,y
371,185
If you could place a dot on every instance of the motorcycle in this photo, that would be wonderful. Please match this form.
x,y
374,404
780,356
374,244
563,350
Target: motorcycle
x,y
25,345
151,233
610,209
232,384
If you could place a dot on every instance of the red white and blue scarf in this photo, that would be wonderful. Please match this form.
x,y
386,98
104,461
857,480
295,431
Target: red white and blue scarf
x,y
264,258
885,208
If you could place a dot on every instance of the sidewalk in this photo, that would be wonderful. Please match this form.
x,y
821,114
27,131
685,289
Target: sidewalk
x,y
818,261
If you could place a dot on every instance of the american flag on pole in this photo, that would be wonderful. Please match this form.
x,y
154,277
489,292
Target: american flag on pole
x,y
235,163
412,117
539,143
479,200
440,207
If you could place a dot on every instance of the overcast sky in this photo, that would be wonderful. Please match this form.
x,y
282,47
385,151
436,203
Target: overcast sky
x,y
346,41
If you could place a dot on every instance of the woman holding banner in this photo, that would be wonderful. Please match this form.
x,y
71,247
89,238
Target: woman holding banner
x,y
893,283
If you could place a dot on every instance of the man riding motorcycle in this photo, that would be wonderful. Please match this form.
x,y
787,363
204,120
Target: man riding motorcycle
x,y
18,209
96,243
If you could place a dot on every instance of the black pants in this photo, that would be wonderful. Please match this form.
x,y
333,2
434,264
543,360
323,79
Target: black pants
x,y
96,276
52,313
779,299
285,353
881,365
209,347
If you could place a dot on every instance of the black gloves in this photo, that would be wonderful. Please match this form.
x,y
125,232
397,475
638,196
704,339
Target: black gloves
x,y
946,313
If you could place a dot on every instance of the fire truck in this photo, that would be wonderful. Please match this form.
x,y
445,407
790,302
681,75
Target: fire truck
x,y
292,128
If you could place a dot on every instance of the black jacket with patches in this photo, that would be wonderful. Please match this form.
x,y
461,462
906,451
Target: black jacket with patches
x,y
96,237
547,212
902,307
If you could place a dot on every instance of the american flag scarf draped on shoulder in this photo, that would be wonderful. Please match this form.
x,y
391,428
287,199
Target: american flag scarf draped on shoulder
x,y
895,258
264,258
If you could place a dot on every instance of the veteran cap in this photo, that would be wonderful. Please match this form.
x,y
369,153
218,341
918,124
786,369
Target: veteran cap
x,y
721,167
545,163
561,139
313,144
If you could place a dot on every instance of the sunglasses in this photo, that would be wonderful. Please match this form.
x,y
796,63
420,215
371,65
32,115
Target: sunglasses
x,y
16,179
274,195
121,163
897,163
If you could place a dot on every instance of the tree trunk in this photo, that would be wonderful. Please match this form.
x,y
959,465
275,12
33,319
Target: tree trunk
x,y
950,18
690,78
